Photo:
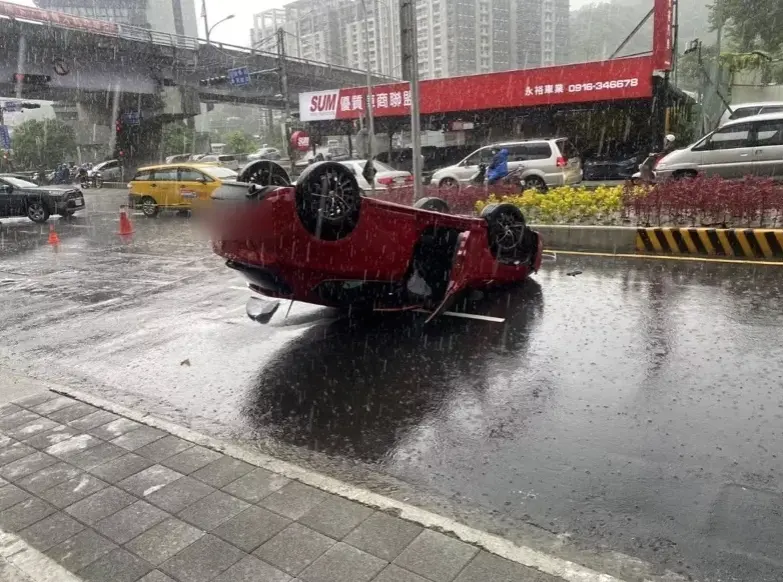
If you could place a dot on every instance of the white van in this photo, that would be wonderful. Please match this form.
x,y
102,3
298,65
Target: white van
x,y
740,110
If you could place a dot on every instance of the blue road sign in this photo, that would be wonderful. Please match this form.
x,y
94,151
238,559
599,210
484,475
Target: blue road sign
x,y
11,106
5,137
131,118
240,76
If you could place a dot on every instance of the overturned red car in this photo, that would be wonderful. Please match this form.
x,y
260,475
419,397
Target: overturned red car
x,y
322,241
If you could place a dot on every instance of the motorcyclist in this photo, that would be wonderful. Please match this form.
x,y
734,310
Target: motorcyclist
x,y
498,167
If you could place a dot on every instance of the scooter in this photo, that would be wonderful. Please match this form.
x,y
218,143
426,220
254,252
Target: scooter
x,y
646,173
513,178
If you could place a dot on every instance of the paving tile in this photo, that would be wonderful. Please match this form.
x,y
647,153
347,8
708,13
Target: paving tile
x,y
6,441
75,412
138,438
130,522
36,399
11,495
383,536
436,556
98,455
343,562
72,490
68,449
51,437
31,428
121,468
24,514
256,485
250,569
13,452
47,478
157,576
164,448
117,566
213,510
294,548
191,459
335,516
50,531
9,408
93,420
80,550
149,480
99,505
203,560
18,418
111,430
486,567
10,573
223,471
251,528
394,573
293,500
26,466
164,540
53,405
180,494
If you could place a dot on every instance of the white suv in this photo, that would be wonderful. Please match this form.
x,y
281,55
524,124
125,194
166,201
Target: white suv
x,y
543,163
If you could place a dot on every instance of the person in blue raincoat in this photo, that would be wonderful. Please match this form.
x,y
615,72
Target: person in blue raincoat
x,y
498,167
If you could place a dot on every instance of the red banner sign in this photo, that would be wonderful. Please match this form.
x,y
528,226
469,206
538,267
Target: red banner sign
x,y
300,141
57,18
663,20
599,81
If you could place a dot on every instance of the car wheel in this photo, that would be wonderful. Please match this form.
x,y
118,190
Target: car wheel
x,y
449,183
37,211
149,207
264,173
433,204
535,183
99,182
505,229
328,200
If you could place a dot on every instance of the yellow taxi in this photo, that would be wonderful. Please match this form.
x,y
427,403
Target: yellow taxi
x,y
175,186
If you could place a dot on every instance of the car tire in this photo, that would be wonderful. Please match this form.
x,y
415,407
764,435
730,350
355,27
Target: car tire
x,y
328,200
506,228
149,207
98,183
535,183
37,211
264,173
433,204
449,183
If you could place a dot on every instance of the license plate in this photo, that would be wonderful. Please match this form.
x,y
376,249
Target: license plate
x,y
78,202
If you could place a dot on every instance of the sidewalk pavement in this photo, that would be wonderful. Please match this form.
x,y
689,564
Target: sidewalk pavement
x,y
87,494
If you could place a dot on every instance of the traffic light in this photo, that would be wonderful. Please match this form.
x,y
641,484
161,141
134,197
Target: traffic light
x,y
118,126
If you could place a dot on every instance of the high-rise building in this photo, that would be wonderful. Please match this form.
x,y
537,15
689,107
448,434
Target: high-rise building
x,y
171,16
454,37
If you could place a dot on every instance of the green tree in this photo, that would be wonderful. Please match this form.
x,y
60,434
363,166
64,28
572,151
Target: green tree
x,y
750,24
238,142
45,143
176,138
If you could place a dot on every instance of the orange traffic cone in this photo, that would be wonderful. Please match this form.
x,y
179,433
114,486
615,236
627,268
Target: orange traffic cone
x,y
126,227
53,238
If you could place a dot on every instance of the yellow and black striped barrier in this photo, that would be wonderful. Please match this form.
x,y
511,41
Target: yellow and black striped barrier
x,y
754,243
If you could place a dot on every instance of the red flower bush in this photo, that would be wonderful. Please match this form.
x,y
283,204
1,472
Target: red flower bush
x,y
702,201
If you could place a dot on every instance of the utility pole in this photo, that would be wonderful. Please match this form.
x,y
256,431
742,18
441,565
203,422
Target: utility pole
x,y
410,72
370,117
283,71
204,16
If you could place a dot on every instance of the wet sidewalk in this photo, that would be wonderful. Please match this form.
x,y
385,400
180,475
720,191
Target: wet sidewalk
x,y
112,500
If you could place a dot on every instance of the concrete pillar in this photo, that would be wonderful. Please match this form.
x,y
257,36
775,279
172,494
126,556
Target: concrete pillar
x,y
115,112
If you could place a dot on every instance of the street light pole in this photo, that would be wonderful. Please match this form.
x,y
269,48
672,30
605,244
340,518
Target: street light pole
x,y
370,120
211,28
204,16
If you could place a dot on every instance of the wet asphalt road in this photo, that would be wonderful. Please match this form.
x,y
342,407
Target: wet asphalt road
x,y
636,406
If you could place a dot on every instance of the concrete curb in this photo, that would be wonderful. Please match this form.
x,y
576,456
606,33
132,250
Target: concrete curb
x,y
526,556
750,243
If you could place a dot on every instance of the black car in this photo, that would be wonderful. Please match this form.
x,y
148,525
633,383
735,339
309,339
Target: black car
x,y
19,197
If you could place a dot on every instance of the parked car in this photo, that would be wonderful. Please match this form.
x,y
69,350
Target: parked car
x,y
386,176
175,186
267,153
322,242
748,146
179,158
616,168
544,162
111,170
741,110
226,160
23,198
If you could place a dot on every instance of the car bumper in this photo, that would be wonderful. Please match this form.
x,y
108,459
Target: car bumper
x,y
69,206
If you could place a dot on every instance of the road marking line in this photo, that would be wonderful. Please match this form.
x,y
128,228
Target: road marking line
x,y
527,556
670,258
467,315
36,566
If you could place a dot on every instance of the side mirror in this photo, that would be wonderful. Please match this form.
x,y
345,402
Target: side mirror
x,y
369,171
